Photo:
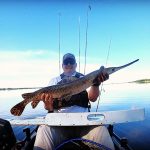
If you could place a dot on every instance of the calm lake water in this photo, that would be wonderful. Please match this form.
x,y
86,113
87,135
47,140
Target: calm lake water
x,y
113,97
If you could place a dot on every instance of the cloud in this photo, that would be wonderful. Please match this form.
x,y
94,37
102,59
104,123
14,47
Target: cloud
x,y
25,68
34,68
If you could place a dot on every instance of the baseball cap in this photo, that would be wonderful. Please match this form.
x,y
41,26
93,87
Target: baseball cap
x,y
68,56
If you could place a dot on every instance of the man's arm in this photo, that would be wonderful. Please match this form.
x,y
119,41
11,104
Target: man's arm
x,y
93,93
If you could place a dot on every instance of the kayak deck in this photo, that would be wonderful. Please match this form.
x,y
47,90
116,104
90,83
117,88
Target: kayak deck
x,y
108,119
85,118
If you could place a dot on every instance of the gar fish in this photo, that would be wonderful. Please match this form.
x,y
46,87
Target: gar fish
x,y
63,90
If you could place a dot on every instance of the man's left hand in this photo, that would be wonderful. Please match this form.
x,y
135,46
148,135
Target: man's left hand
x,y
103,76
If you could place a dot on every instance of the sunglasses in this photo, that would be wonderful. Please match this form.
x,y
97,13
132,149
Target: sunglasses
x,y
69,61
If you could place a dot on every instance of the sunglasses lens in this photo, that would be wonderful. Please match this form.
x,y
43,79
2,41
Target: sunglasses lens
x,y
69,61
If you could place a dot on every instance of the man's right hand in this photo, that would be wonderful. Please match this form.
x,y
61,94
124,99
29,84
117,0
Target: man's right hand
x,y
48,101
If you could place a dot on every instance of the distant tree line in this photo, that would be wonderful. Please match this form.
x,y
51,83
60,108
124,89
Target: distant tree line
x,y
20,88
142,81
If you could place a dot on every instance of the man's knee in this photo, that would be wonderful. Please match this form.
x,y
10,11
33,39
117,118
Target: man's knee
x,y
44,128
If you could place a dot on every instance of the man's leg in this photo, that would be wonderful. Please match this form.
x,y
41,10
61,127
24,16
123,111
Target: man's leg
x,y
48,138
99,135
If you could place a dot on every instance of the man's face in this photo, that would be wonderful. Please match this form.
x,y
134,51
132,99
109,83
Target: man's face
x,y
69,65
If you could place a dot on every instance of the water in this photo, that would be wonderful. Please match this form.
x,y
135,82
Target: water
x,y
113,97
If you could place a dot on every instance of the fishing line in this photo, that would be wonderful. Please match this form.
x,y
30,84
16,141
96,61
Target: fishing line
x,y
59,16
89,9
99,97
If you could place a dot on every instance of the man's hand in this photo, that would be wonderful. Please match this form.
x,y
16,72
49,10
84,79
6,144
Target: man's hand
x,y
103,76
48,101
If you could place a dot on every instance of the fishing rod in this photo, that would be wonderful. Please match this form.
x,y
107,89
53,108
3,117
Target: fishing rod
x,y
108,52
89,9
59,15
79,42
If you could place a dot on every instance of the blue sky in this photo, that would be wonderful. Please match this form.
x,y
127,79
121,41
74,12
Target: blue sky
x,y
29,38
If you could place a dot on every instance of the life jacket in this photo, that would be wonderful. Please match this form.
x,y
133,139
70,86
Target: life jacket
x,y
80,99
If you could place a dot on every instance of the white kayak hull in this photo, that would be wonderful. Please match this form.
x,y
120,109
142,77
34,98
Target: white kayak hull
x,y
85,119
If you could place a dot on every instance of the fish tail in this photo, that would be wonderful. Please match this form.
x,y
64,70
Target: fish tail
x,y
34,103
17,109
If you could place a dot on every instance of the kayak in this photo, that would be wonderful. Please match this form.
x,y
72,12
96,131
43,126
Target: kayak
x,y
108,119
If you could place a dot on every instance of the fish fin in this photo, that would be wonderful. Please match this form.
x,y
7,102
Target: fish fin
x,y
27,95
34,103
67,80
67,98
18,109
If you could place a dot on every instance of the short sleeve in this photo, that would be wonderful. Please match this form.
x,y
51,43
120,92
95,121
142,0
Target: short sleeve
x,y
54,81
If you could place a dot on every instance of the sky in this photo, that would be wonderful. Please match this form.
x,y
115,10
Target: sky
x,y
32,33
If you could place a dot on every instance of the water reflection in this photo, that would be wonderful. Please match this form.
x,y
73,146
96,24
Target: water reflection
x,y
113,97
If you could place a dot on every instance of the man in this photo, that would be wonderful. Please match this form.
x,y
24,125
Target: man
x,y
48,138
